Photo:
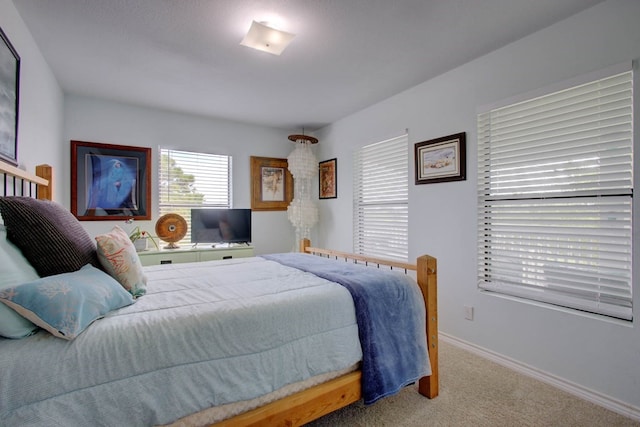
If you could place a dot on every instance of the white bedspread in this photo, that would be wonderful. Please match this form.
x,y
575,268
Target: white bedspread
x,y
205,334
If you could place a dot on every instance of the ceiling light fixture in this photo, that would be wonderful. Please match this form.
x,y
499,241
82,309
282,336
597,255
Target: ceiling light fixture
x,y
266,39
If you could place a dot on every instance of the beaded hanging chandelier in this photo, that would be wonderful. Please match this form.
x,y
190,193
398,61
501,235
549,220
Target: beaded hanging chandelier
x,y
302,163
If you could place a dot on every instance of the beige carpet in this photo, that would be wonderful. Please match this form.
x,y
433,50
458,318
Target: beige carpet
x,y
477,392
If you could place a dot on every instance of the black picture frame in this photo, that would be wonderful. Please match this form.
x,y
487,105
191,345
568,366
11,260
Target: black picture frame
x,y
328,179
441,160
110,182
9,100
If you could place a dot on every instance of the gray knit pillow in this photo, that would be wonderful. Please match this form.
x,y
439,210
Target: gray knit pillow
x,y
49,236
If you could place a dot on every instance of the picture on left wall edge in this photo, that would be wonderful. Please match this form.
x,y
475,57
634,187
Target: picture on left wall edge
x,y
9,99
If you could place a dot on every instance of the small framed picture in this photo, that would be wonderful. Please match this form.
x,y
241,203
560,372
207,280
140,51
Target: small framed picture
x,y
110,181
441,159
328,179
271,184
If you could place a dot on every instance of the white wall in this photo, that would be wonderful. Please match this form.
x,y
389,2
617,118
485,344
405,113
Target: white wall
x,y
597,354
40,98
93,120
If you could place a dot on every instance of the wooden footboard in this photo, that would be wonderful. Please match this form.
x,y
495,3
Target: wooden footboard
x,y
315,402
427,278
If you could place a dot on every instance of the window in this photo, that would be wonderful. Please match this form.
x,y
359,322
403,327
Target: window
x,y
381,199
190,179
555,188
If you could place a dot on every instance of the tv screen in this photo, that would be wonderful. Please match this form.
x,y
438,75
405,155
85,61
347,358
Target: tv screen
x,y
220,225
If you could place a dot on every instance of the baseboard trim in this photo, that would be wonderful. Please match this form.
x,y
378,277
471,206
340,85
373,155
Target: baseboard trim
x,y
592,396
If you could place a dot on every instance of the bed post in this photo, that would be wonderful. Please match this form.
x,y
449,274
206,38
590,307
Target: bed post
x,y
304,244
46,172
427,280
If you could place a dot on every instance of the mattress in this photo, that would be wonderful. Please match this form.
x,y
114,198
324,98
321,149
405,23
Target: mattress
x,y
205,334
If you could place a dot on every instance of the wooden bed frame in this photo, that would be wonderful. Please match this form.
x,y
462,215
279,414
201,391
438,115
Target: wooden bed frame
x,y
315,402
16,182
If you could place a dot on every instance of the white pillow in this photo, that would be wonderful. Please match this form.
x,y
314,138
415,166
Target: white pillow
x,y
119,258
14,270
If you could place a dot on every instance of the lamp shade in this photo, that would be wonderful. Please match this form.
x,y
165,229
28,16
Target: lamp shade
x,y
303,165
302,162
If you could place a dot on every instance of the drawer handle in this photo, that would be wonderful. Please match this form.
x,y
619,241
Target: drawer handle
x,y
165,261
227,257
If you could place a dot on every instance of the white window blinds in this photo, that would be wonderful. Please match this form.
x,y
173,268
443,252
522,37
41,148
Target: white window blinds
x,y
381,201
555,185
191,179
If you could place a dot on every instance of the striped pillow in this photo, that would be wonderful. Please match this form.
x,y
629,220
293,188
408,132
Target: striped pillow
x,y
49,236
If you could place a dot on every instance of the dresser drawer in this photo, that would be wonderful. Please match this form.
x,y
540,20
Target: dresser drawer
x,y
165,257
226,254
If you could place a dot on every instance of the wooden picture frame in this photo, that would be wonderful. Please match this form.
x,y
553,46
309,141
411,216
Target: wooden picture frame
x,y
110,182
441,159
271,184
328,179
9,100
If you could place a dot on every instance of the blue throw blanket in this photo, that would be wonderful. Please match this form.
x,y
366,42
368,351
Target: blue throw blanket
x,y
391,321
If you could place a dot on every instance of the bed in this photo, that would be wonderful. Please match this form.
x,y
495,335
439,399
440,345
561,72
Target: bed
x,y
322,375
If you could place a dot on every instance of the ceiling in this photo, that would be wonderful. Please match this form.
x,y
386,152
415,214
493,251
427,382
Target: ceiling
x,y
185,55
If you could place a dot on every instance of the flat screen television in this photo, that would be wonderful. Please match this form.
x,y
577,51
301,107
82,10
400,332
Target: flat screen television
x,y
209,225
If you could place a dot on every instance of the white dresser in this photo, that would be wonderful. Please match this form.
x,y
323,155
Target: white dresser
x,y
198,254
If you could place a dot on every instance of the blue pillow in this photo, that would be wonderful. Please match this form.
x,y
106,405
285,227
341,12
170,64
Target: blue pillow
x,y
66,304
14,270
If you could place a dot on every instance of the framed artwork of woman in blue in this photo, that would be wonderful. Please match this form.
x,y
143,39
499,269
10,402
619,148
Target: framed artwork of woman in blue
x,y
110,181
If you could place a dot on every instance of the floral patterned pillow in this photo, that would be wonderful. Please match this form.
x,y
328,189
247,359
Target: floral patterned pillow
x,y
66,304
119,258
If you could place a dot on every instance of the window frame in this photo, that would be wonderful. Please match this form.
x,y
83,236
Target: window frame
x,y
605,300
205,162
381,199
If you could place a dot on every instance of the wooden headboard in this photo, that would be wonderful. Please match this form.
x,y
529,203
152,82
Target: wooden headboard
x,y
16,182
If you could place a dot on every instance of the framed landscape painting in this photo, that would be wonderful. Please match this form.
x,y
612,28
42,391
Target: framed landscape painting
x,y
441,159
